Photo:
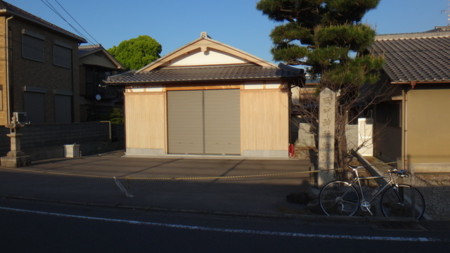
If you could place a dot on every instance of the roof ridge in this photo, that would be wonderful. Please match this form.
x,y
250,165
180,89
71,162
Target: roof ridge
x,y
91,46
205,43
419,35
14,10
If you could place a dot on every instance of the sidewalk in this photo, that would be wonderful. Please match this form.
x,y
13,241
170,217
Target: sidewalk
x,y
435,188
228,186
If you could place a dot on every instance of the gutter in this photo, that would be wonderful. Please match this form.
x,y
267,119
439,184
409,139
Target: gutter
x,y
39,21
413,83
404,129
8,86
188,81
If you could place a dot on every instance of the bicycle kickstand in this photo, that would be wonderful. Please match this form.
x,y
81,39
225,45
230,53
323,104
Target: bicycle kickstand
x,y
366,207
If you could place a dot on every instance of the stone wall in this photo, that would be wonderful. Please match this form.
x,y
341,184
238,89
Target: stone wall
x,y
305,139
47,141
351,132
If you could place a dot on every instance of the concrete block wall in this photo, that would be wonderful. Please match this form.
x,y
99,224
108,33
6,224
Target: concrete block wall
x,y
41,135
305,139
47,141
351,132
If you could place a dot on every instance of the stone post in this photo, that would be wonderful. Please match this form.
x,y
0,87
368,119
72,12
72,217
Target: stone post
x,y
327,110
15,157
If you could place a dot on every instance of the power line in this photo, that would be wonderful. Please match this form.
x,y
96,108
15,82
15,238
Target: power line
x,y
92,37
51,7
55,10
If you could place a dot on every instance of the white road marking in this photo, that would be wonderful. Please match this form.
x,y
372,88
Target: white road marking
x,y
122,188
227,230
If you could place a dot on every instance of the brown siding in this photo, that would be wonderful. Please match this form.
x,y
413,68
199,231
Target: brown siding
x,y
45,76
428,121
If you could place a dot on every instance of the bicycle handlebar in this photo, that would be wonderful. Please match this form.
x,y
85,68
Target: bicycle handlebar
x,y
400,173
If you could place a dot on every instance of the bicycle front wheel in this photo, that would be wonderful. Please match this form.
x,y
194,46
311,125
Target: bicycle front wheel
x,y
402,201
339,198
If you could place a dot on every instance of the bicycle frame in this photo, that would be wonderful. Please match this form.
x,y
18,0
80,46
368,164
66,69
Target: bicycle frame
x,y
346,197
366,204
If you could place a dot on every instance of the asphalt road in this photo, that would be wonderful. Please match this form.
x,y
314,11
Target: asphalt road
x,y
47,227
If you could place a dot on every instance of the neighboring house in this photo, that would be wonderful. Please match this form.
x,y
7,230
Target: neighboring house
x,y
208,98
96,99
413,127
38,68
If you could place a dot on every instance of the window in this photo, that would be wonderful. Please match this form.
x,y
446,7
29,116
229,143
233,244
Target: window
x,y
33,47
62,56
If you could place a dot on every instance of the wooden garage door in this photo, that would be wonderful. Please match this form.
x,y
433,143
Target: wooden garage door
x,y
204,122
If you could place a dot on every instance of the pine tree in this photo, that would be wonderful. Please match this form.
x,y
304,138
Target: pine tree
x,y
328,38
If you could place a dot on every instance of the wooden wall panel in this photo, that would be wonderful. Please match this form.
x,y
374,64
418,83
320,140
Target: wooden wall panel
x,y
264,120
145,120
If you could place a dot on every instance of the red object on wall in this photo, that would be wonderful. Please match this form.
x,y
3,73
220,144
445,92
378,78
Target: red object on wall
x,y
291,150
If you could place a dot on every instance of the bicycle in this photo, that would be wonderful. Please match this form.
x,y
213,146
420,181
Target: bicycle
x,y
344,198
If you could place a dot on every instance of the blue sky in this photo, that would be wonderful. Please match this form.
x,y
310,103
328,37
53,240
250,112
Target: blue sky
x,y
174,23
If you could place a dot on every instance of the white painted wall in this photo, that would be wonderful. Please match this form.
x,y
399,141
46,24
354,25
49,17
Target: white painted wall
x,y
262,86
208,57
365,135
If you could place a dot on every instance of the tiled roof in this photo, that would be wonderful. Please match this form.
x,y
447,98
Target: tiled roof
x,y
206,73
7,8
420,57
87,49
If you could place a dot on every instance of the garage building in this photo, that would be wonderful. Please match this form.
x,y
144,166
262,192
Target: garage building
x,y
208,98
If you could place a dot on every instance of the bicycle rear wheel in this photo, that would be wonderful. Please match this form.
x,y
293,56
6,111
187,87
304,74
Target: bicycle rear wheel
x,y
339,198
402,201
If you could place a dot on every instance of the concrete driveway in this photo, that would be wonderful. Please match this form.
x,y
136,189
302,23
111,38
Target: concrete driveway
x,y
202,185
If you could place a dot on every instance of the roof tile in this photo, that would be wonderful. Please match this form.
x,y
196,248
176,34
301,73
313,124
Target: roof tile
x,y
423,57
205,73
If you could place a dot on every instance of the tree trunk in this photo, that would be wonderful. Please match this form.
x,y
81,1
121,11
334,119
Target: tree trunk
x,y
341,141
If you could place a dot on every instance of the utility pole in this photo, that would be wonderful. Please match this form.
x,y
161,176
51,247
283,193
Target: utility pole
x,y
447,12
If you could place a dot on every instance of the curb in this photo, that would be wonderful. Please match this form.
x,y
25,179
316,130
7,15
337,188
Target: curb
x,y
322,218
